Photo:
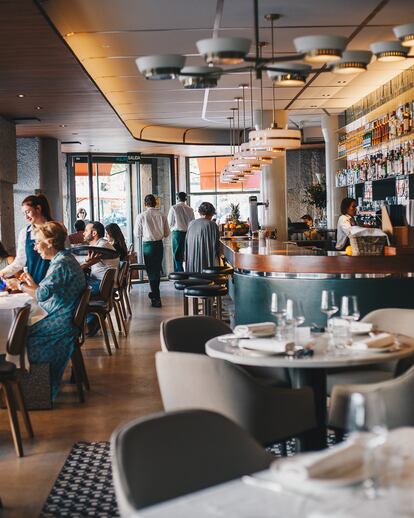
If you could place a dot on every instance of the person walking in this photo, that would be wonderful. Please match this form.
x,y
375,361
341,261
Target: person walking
x,y
179,217
152,226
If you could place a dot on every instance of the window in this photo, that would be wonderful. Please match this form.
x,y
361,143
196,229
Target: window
x,y
203,178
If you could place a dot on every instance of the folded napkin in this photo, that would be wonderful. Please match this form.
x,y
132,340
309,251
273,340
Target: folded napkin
x,y
334,463
266,345
250,330
379,341
361,327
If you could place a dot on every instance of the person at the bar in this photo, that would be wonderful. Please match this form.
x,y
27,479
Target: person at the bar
x,y
179,217
345,222
77,237
36,210
203,240
51,339
114,235
152,226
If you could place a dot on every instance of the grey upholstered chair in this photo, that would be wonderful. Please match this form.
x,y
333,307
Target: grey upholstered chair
x,y
268,413
391,320
190,333
397,395
163,456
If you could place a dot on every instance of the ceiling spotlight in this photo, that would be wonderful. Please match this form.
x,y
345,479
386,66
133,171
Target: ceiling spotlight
x,y
39,107
290,74
352,62
224,51
20,96
389,50
405,33
320,49
199,77
62,125
166,66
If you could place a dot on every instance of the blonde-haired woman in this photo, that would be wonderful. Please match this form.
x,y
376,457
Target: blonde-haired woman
x,y
51,340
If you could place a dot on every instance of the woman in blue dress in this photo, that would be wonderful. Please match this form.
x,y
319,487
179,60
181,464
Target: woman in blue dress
x,y
51,339
36,210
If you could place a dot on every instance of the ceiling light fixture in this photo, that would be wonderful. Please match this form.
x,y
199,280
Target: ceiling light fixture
x,y
224,51
166,66
352,62
20,96
405,33
389,51
199,77
320,49
289,74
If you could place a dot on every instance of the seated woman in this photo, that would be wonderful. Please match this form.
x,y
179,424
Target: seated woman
x,y
115,236
51,340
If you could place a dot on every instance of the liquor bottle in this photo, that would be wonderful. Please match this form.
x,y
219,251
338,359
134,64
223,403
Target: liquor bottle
x,y
393,126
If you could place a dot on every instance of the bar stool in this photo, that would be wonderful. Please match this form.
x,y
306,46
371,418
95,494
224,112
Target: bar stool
x,y
208,294
219,270
182,284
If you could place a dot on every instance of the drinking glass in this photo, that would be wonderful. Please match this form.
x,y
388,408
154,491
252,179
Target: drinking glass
x,y
349,308
366,415
328,305
294,312
278,308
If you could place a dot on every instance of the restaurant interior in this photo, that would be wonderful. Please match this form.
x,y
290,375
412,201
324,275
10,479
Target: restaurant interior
x,y
206,253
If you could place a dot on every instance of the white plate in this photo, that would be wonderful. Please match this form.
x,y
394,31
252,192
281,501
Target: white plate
x,y
352,478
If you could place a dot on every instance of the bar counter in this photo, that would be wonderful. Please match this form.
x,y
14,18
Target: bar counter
x,y
264,267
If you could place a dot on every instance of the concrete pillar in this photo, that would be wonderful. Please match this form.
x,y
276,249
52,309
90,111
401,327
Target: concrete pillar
x,y
273,184
40,168
334,194
8,177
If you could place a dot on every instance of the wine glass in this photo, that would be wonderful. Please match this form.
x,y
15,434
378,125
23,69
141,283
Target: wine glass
x,y
349,308
278,308
366,421
328,305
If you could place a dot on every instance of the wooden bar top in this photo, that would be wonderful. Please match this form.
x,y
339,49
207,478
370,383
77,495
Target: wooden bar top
x,y
269,256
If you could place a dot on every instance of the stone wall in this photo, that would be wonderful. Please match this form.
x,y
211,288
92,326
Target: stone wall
x,y
8,176
301,169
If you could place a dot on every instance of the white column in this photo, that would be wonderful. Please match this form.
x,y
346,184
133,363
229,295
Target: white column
x,y
273,184
334,195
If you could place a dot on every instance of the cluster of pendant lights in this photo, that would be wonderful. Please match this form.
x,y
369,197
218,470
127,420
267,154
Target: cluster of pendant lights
x,y
264,145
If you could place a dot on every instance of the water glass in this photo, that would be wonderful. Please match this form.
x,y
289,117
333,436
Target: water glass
x,y
278,308
340,334
366,414
328,304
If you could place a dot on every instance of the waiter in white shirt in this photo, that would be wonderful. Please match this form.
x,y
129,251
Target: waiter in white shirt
x,y
345,222
179,218
152,226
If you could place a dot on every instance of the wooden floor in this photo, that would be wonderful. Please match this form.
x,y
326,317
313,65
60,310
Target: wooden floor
x,y
123,386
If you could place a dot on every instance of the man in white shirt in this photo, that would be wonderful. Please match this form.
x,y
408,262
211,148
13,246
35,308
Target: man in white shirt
x,y
152,226
94,236
179,218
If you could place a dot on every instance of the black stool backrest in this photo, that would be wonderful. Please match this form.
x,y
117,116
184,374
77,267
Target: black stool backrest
x,y
16,341
122,274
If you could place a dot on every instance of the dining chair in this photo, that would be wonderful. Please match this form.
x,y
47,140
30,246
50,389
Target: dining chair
x,y
190,333
163,456
119,300
102,305
391,320
270,414
397,395
78,365
10,377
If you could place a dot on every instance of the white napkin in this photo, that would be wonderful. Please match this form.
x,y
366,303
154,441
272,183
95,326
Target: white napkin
x,y
361,327
334,463
379,341
250,330
267,345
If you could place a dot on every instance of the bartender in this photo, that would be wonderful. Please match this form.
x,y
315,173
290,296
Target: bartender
x,y
345,222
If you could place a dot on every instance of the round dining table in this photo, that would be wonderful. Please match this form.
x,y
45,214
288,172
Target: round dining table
x,y
310,371
9,305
